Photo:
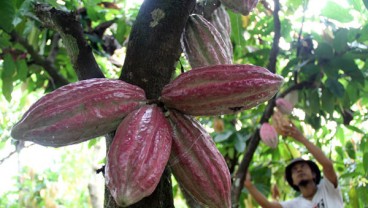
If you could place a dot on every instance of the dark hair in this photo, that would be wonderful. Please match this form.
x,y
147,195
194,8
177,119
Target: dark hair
x,y
313,166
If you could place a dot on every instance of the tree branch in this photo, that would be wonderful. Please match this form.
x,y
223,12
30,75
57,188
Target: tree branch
x,y
254,141
275,45
13,152
71,32
154,45
56,78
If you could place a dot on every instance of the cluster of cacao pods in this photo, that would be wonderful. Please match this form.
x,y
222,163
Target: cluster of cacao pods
x,y
284,106
146,140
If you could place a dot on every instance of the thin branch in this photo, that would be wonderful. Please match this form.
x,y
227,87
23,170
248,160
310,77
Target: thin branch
x,y
13,152
298,86
299,45
254,141
100,29
56,78
276,39
71,32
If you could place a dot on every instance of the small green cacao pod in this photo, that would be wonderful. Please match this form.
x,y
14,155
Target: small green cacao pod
x,y
78,111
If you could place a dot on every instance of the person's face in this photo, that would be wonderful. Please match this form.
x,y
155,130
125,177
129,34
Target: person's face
x,y
301,172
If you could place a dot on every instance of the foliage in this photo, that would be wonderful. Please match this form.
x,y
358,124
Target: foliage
x,y
327,51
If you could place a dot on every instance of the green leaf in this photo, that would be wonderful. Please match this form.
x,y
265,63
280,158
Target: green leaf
x,y
340,135
340,152
22,69
314,101
7,11
335,87
365,162
334,11
363,35
348,65
7,76
340,42
365,3
324,51
309,70
328,101
4,41
91,143
237,32
353,128
350,149
353,197
223,136
239,143
331,71
314,121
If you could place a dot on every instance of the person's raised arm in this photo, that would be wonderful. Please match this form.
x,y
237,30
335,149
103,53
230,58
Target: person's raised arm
x,y
258,196
317,153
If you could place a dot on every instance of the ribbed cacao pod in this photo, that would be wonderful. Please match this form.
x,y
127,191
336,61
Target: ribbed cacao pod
x,y
138,155
203,44
220,19
197,164
78,112
268,135
220,89
243,7
284,106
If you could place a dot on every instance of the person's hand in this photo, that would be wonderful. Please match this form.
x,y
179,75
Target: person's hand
x,y
291,130
248,182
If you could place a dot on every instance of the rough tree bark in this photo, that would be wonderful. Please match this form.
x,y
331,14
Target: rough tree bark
x,y
152,53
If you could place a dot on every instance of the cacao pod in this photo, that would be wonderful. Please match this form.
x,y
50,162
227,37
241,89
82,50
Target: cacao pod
x,y
243,7
220,19
220,89
203,44
78,112
268,135
278,121
197,164
284,106
138,155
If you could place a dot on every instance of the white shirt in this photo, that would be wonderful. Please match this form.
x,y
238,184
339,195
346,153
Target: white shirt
x,y
327,196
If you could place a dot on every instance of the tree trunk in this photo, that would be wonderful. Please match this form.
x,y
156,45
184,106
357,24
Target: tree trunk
x,y
152,53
